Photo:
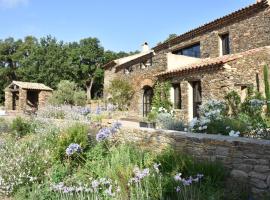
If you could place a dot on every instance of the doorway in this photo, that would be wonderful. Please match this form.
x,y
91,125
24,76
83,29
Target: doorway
x,y
32,98
15,100
197,97
147,100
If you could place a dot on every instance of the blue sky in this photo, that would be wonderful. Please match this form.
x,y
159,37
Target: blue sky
x,y
119,24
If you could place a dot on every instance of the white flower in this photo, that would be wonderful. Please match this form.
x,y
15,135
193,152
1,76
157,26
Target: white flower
x,y
234,133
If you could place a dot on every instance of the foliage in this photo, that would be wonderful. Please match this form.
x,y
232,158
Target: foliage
x,y
4,126
64,164
21,127
161,97
267,89
169,122
225,125
47,60
77,133
121,92
66,112
68,93
233,101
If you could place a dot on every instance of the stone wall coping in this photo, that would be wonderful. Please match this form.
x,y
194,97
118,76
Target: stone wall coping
x,y
201,136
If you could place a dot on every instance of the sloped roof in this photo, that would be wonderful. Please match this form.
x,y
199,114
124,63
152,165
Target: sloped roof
x,y
208,63
31,86
121,61
242,13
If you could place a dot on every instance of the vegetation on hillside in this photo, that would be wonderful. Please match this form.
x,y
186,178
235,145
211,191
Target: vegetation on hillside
x,y
49,61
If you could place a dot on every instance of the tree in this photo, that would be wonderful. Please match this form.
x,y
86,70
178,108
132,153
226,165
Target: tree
x,y
121,92
68,93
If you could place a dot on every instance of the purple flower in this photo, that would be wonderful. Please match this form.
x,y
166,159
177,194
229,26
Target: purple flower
x,y
73,148
178,189
104,133
98,111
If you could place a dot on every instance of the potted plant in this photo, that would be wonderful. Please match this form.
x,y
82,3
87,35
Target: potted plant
x,y
149,121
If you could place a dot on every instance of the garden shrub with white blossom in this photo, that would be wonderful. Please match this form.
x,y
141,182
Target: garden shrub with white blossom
x,y
73,163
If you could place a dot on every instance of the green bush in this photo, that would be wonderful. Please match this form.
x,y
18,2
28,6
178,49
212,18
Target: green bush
x,y
225,125
4,126
233,101
161,97
77,133
68,93
21,127
79,98
121,92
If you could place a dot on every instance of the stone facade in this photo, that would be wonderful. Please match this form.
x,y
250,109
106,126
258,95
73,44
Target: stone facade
x,y
248,29
215,84
23,96
246,159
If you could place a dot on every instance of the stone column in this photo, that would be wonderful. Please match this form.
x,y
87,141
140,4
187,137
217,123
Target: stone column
x,y
8,100
43,98
185,95
22,100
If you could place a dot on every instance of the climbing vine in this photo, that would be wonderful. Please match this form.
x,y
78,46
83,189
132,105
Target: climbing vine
x,y
161,97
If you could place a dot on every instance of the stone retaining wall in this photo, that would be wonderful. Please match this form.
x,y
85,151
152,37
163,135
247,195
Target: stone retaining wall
x,y
247,159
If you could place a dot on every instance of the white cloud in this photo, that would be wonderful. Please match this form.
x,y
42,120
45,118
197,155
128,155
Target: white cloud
x,y
12,3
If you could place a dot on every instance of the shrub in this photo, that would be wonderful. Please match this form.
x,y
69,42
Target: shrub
x,y
4,126
225,125
22,163
68,93
121,92
167,121
21,127
233,101
79,98
161,97
77,133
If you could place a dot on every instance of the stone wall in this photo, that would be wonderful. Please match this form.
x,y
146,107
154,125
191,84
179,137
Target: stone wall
x,y
43,98
251,32
217,83
246,159
138,78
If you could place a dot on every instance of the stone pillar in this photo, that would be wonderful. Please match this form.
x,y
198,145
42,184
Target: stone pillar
x,y
8,100
186,103
43,98
22,100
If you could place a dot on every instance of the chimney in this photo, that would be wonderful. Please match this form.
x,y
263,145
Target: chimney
x,y
145,47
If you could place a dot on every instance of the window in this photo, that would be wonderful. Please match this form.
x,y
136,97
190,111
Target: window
x,y
177,101
225,44
192,51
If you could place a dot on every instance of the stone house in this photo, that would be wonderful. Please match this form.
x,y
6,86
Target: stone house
x,y
202,64
23,96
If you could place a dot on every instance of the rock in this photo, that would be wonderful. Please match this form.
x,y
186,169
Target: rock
x,y
258,175
261,168
243,167
258,183
268,181
239,174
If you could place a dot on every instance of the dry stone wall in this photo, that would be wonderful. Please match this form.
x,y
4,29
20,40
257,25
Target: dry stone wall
x,y
246,159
